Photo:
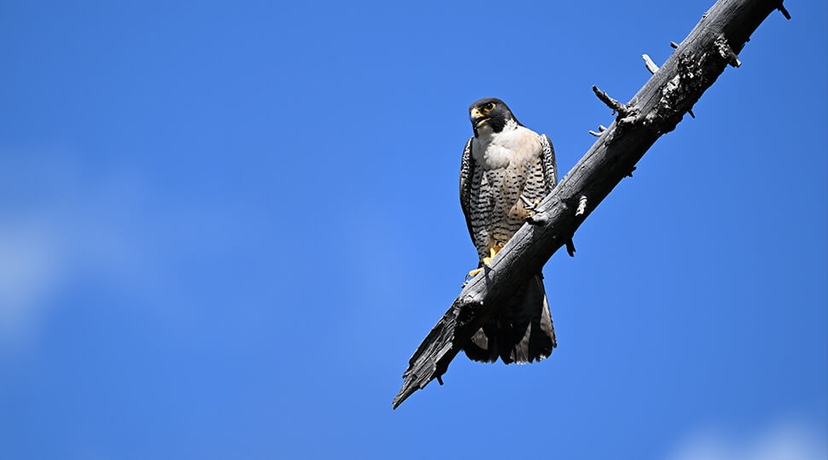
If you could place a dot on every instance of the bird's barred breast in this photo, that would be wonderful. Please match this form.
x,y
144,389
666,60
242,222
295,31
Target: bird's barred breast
x,y
497,210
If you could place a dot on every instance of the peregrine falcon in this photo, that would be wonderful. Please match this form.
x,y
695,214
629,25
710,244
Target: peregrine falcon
x,y
506,170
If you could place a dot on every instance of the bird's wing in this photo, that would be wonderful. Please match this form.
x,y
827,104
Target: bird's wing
x,y
550,174
550,165
466,173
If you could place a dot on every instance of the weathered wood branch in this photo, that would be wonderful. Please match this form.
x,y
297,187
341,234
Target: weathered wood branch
x,y
655,110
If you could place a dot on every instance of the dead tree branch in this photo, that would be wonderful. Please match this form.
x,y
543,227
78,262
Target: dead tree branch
x,y
655,110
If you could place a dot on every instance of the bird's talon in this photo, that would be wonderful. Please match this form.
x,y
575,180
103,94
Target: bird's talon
x,y
492,252
472,274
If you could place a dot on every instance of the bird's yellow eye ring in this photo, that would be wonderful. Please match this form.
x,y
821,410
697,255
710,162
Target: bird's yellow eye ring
x,y
489,107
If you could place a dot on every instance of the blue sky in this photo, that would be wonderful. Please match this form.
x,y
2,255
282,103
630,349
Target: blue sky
x,y
224,229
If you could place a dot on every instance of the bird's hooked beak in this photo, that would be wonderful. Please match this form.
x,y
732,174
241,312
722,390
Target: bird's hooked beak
x,y
477,118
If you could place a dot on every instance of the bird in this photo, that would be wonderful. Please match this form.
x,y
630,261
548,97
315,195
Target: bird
x,y
506,169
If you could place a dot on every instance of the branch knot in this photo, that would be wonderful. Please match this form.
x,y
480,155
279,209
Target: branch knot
x,y
725,51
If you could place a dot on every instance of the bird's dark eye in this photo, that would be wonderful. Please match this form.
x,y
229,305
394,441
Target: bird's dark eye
x,y
489,107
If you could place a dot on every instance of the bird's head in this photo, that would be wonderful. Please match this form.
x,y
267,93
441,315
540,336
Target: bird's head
x,y
490,114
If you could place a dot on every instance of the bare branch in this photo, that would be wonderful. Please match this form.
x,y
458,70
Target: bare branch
x,y
653,68
656,109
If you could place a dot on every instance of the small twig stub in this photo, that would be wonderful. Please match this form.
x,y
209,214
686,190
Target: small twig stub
x,y
648,62
784,12
616,106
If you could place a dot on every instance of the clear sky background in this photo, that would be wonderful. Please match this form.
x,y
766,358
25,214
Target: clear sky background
x,y
226,226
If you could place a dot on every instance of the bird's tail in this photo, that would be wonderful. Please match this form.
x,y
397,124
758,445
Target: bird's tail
x,y
521,331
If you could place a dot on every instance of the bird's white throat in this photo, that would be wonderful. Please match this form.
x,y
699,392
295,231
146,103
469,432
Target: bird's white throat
x,y
495,150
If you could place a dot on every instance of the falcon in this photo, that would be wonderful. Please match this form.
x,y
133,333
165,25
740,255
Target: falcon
x,y
506,170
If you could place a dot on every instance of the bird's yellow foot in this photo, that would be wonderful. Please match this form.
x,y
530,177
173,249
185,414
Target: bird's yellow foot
x,y
492,252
